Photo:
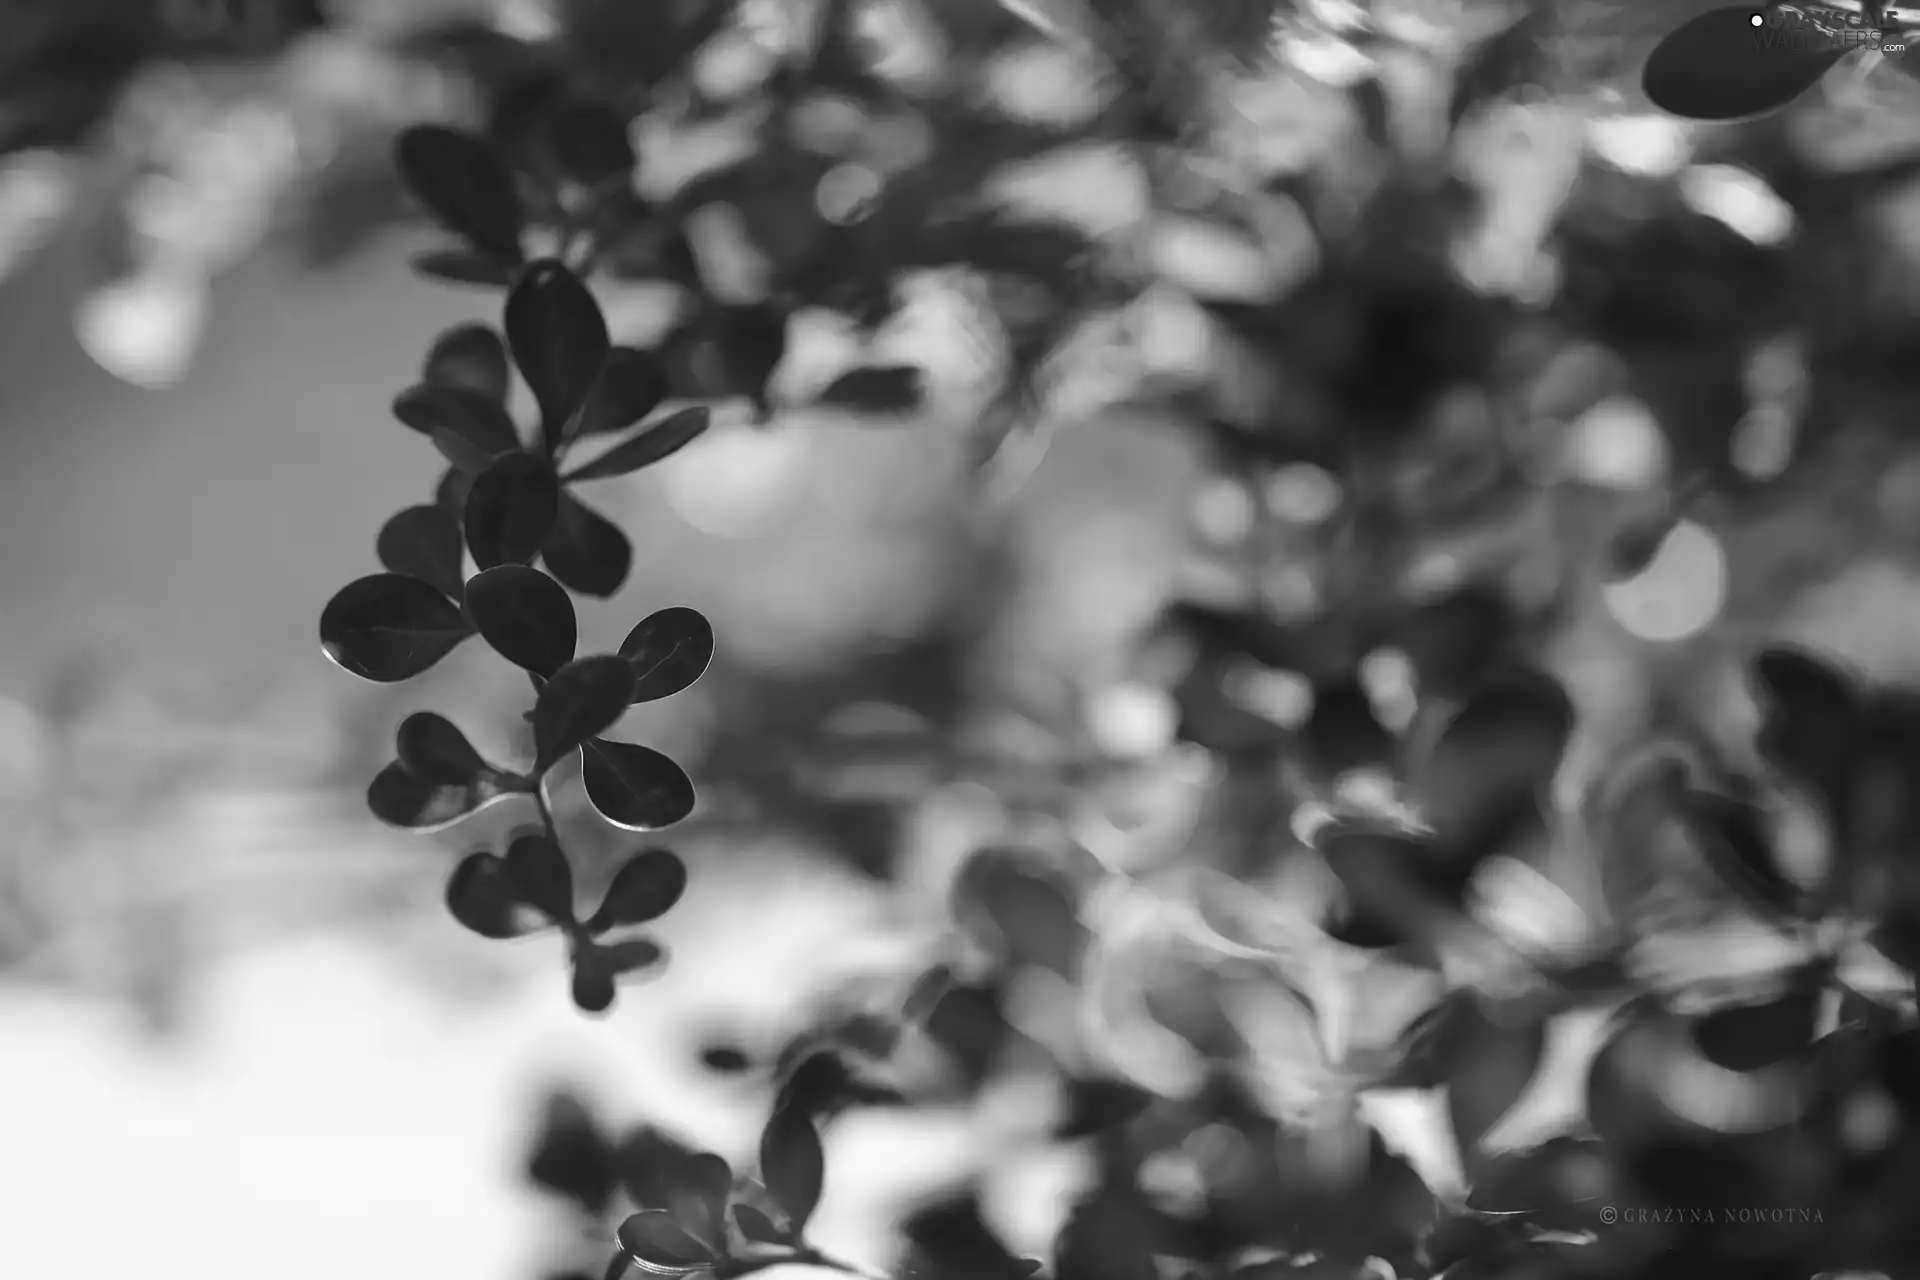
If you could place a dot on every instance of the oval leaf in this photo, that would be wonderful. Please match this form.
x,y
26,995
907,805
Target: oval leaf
x,y
634,786
1493,1065
586,551
483,896
1485,780
389,627
631,956
526,616
647,886
593,986
651,444
401,798
511,510
463,185
583,699
1752,1036
462,266
630,385
1034,915
757,1226
660,1245
544,877
893,389
669,649
469,357
792,1165
590,143
424,542
1718,66
434,750
559,340
475,423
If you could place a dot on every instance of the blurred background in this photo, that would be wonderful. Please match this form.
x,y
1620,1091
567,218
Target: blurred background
x,y
238,1030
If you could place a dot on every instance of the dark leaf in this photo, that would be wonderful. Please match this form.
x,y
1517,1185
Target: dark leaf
x,y
753,341
526,616
434,750
1811,718
1717,66
593,979
700,1202
389,627
545,878
651,1166
590,142
469,357
632,955
400,797
450,494
1498,65
571,1158
669,649
1034,914
630,385
586,552
1108,1236
951,1242
483,896
634,786
511,511
1548,1182
1733,837
890,389
1398,890
660,1245
1493,1064
792,1164
1451,642
970,1023
424,543
652,443
1094,1106
559,341
1749,1037
462,266
462,183
583,699
757,1226
646,887
1487,776
1343,732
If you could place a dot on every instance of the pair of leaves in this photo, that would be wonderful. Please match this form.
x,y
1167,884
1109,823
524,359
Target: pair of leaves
x,y
436,777
531,888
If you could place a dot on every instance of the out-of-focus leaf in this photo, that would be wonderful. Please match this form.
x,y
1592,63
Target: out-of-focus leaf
x,y
1712,67
424,542
669,649
401,798
1108,1236
651,1166
587,552
632,955
469,357
757,1226
594,985
1493,1065
483,895
389,627
652,443
559,340
462,183
1733,838
583,699
462,266
660,1245
1094,1106
1487,776
525,615
545,878
646,887
590,143
1551,1183
1749,1037
451,492
1034,915
700,1198
511,510
793,1165
571,1157
630,385
634,786
892,389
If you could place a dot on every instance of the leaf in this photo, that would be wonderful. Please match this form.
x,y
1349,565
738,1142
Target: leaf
x,y
1034,915
653,443
793,1165
1493,1065
1751,1036
587,552
590,142
483,896
1485,779
424,542
571,1158
1811,719
1713,67
660,1245
434,750
463,185
700,1198
388,627
477,425
630,385
401,798
1733,839
1549,1183
1506,61
462,266
584,698
651,1166
647,886
469,357
526,616
1095,1106
890,389
559,340
593,986
634,786
633,955
669,649
545,878
511,510
450,493
757,1226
